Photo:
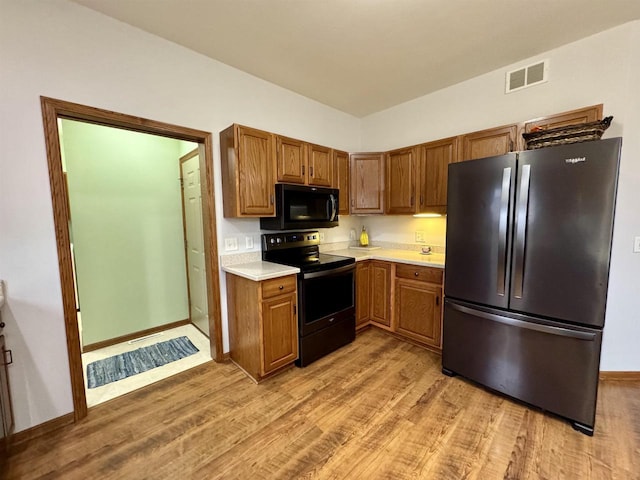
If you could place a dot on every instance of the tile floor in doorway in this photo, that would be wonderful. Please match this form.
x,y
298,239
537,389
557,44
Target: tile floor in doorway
x,y
115,389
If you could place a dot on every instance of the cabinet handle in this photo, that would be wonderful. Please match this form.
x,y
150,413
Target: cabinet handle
x,y
437,301
412,200
10,357
281,287
511,145
416,273
302,169
295,309
311,171
271,198
421,200
353,203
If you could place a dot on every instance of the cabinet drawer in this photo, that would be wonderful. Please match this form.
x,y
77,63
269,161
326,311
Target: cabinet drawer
x,y
414,272
278,286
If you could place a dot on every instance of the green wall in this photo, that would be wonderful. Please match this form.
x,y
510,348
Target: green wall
x,y
126,221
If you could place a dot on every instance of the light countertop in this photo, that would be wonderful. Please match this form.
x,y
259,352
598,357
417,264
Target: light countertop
x,y
411,257
258,271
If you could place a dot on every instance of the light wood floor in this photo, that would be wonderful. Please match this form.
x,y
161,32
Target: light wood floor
x,y
377,409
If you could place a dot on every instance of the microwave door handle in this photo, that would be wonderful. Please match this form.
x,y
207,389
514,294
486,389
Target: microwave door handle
x,y
332,204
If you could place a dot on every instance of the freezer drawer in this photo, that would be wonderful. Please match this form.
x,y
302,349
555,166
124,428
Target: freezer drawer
x,y
545,364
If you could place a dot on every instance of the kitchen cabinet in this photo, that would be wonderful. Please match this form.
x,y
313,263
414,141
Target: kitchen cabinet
x,y
263,326
380,277
291,160
248,172
341,180
433,165
320,166
303,163
418,304
573,117
367,183
400,181
363,293
489,143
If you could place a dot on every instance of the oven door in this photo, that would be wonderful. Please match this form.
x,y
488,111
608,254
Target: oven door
x,y
326,297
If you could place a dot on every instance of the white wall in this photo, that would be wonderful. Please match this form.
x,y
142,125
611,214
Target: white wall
x,y
604,68
61,50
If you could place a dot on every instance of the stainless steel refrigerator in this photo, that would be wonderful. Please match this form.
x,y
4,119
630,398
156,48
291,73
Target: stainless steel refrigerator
x,y
526,273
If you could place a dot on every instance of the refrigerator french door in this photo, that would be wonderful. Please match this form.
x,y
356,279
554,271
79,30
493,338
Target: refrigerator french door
x,y
526,273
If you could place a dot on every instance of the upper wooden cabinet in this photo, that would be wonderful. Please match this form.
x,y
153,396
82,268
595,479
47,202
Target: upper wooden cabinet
x,y
303,163
367,183
400,180
320,166
341,180
291,160
433,168
248,171
489,143
582,115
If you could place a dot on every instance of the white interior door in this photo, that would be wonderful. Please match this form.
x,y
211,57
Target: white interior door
x,y
195,241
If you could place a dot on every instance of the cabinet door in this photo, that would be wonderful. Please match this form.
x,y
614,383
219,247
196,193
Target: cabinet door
x,y
433,165
418,309
291,160
401,181
489,143
255,172
320,166
367,183
280,332
341,180
363,297
381,293
582,115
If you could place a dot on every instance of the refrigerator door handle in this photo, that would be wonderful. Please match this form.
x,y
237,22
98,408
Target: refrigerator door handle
x,y
522,213
563,332
502,231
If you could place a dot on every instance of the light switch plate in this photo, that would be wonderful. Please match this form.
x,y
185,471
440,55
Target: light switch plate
x,y
248,242
636,245
230,243
322,236
420,237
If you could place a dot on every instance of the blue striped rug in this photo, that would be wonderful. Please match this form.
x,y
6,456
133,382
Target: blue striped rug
x,y
126,364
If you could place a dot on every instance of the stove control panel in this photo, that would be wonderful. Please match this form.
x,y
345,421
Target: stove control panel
x,y
277,241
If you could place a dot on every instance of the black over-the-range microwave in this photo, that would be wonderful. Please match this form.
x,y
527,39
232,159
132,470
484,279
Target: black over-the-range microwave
x,y
299,206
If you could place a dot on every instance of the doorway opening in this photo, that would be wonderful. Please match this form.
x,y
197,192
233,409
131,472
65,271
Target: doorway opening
x,y
206,251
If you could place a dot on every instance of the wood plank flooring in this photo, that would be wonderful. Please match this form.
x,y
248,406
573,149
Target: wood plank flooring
x,y
376,409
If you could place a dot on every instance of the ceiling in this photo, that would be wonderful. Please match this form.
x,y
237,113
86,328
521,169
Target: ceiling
x,y
363,56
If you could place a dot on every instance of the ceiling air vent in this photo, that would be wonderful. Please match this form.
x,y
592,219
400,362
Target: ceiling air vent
x,y
527,76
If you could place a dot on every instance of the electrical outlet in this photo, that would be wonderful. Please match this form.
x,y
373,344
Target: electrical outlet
x,y
636,245
230,243
352,234
248,243
420,237
322,236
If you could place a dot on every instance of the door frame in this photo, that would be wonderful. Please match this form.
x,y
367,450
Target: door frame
x,y
52,110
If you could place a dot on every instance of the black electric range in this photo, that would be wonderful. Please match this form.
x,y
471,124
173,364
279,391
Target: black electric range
x,y
326,292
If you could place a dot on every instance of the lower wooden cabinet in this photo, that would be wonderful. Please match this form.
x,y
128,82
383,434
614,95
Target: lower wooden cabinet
x,y
381,293
263,324
401,298
418,309
363,294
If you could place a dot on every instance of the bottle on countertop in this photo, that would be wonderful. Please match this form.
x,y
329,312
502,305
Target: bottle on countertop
x,y
364,238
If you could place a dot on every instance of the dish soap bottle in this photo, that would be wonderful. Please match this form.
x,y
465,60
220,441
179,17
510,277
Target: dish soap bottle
x,y
364,238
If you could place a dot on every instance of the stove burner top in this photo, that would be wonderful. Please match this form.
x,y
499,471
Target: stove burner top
x,y
300,249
